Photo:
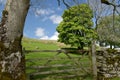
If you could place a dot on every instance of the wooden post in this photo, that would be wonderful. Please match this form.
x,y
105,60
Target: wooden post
x,y
94,66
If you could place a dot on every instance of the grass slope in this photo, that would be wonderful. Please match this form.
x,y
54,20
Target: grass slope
x,y
33,44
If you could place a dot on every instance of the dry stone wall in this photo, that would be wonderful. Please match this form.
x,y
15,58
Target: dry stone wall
x,y
108,64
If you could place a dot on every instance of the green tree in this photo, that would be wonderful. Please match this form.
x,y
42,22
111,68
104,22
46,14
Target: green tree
x,y
109,32
76,27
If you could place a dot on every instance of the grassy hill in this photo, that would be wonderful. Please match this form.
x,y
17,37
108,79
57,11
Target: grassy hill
x,y
41,44
33,44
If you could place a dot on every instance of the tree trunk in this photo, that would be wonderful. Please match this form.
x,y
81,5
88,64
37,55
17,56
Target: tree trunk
x,y
110,46
12,60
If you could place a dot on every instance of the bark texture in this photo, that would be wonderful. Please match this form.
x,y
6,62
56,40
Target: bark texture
x,y
12,60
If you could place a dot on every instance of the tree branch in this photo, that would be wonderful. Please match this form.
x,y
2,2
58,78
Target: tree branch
x,y
58,2
66,4
105,2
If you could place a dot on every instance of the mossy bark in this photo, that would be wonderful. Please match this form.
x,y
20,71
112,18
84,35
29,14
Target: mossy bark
x,y
12,60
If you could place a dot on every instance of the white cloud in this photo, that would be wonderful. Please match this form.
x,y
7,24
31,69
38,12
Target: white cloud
x,y
43,12
56,19
55,36
40,32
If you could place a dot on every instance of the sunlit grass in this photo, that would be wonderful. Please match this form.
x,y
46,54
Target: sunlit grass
x,y
48,57
33,44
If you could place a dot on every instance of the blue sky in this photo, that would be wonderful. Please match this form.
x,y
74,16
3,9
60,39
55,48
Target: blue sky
x,y
42,19
41,23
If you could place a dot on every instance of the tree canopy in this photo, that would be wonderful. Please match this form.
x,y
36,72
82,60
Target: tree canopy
x,y
109,32
76,27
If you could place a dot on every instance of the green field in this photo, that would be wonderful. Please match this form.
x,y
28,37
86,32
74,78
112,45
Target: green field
x,y
50,58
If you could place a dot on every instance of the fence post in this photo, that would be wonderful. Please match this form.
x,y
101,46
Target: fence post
x,y
94,65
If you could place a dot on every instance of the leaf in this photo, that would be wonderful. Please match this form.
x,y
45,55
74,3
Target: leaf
x,y
76,27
